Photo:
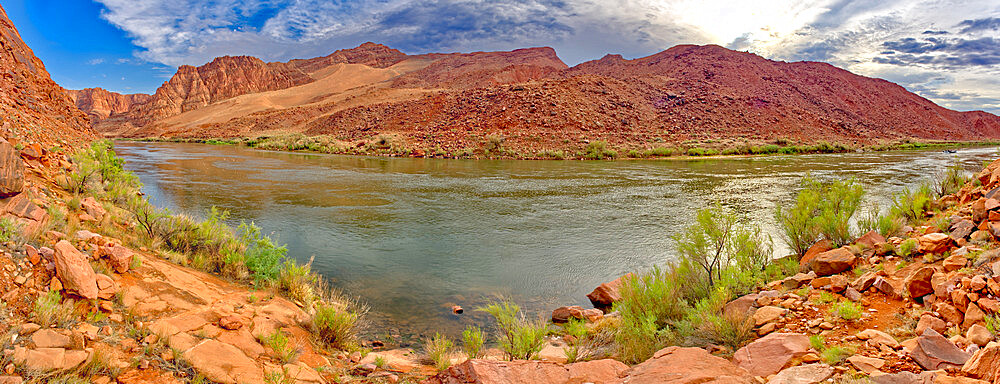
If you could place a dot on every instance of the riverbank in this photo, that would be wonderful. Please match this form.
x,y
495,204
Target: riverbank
x,y
493,148
92,296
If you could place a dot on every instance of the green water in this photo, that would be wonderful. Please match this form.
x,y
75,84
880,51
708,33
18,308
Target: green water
x,y
411,237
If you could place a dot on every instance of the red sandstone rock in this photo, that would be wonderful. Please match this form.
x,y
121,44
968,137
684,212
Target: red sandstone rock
x,y
74,271
531,372
769,354
606,294
832,261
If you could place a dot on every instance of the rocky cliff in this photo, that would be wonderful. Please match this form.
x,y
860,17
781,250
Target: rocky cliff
x,y
33,107
101,104
530,98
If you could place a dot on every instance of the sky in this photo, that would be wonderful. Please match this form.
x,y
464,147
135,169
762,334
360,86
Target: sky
x,y
947,51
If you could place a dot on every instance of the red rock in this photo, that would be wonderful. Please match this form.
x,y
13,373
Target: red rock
x,y
973,315
119,257
676,365
933,352
231,322
934,243
606,294
985,363
564,313
530,372
74,270
948,313
832,262
93,208
871,240
771,353
918,284
11,170
814,250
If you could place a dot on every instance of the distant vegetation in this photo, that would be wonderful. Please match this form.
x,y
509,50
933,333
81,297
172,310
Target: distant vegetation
x,y
495,146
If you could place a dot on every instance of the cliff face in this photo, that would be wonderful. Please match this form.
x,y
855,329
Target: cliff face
x,y
32,106
100,103
530,97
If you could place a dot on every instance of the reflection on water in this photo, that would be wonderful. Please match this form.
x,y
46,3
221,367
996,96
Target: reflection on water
x,y
411,237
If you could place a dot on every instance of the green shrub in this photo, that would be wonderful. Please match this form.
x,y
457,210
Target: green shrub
x,y
993,324
596,150
298,282
638,338
279,344
847,310
907,247
817,342
9,230
715,249
912,205
518,337
336,326
438,350
821,208
951,180
50,309
473,340
261,256
835,355
660,152
494,145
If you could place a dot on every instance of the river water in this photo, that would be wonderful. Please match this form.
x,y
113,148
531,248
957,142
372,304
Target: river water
x,y
412,237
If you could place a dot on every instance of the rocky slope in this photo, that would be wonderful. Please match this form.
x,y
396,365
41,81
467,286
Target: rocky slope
x,y
32,106
454,102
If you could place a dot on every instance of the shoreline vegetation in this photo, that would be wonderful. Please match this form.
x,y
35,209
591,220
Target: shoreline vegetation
x,y
721,260
493,148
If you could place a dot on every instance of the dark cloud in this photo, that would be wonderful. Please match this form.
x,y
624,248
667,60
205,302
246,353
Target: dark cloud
x,y
976,25
929,32
947,52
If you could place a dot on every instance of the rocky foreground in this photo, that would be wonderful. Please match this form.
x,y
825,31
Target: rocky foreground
x,y
85,304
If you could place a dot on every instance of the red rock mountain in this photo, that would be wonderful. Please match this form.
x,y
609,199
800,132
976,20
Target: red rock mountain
x,y
535,102
100,104
33,107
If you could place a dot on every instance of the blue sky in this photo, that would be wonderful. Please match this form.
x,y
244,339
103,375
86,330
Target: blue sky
x,y
945,50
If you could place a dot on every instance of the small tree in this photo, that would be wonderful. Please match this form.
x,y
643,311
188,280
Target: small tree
x,y
821,209
715,242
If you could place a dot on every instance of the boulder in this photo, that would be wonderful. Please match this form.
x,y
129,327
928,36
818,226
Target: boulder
x,y
231,322
832,262
93,208
531,372
933,351
803,374
742,305
985,363
871,240
11,170
918,283
973,315
868,365
565,313
767,314
928,321
926,377
676,365
948,313
934,243
770,354
954,262
223,363
962,230
606,294
814,250
979,335
49,338
878,337
74,271
119,257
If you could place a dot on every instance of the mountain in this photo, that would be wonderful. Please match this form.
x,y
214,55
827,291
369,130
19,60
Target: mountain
x,y
34,108
100,103
530,98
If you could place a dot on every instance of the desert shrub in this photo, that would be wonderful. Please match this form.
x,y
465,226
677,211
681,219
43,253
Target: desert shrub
x,y
907,247
298,282
820,209
261,256
817,342
473,340
716,249
660,152
336,325
519,338
638,338
494,145
950,180
50,309
835,355
597,150
847,310
872,220
993,324
100,363
912,205
438,350
279,343
9,230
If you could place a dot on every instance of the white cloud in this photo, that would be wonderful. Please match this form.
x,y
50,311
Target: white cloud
x,y
96,61
848,33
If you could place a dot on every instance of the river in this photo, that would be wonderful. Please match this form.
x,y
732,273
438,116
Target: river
x,y
412,237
